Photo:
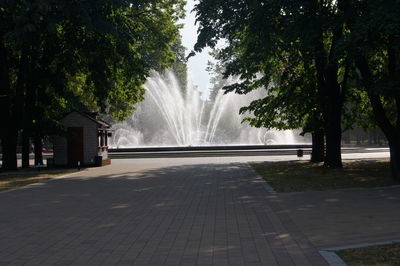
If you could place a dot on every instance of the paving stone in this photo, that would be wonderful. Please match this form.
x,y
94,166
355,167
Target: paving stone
x,y
151,213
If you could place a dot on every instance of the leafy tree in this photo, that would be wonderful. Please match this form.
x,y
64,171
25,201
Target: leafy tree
x,y
179,67
60,55
217,80
287,104
335,39
292,103
264,36
374,44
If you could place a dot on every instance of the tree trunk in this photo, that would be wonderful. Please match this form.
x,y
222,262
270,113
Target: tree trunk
x,y
333,120
333,156
330,99
38,151
391,132
9,146
25,150
14,108
394,145
8,133
318,147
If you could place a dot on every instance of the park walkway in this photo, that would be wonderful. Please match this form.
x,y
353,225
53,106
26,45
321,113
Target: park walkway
x,y
151,214
347,217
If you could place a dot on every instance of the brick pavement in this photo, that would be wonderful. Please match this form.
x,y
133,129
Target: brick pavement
x,y
151,214
345,217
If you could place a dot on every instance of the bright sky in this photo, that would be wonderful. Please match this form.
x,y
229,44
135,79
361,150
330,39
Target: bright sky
x,y
198,63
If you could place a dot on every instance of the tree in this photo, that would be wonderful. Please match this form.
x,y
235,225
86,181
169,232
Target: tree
x,y
374,43
179,67
53,53
292,103
262,35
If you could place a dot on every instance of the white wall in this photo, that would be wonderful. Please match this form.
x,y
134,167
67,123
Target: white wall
x,y
90,143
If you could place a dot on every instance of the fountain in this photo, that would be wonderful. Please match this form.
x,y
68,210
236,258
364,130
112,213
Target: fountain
x,y
170,116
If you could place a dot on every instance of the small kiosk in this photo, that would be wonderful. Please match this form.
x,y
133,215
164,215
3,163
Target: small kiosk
x,y
86,141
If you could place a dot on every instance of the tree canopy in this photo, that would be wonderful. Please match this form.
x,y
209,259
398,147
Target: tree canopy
x,y
60,55
318,61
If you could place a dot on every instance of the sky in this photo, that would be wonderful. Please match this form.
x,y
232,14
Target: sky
x,y
198,63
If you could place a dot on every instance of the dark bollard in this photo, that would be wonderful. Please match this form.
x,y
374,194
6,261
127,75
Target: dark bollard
x,y
299,153
79,165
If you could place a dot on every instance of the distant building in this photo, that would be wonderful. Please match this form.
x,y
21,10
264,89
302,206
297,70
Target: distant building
x,y
86,141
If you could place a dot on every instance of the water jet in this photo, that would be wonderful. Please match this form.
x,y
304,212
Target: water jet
x,y
170,116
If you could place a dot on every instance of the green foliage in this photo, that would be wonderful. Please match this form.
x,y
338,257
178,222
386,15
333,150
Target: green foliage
x,y
92,55
179,67
59,55
375,36
292,47
319,60
263,54
217,79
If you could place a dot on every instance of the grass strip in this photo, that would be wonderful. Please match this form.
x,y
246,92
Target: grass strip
x,y
385,255
12,180
295,176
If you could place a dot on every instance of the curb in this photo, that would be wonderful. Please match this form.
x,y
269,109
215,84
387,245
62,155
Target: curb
x,y
350,189
264,183
332,258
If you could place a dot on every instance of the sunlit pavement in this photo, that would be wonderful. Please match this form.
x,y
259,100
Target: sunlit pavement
x,y
184,211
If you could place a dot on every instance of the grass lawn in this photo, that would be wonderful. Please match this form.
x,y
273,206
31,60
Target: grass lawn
x,y
384,255
305,176
15,179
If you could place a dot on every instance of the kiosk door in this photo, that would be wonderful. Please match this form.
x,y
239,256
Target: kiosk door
x,y
75,146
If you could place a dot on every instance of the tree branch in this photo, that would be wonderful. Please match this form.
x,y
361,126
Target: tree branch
x,y
392,58
377,106
345,79
397,99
